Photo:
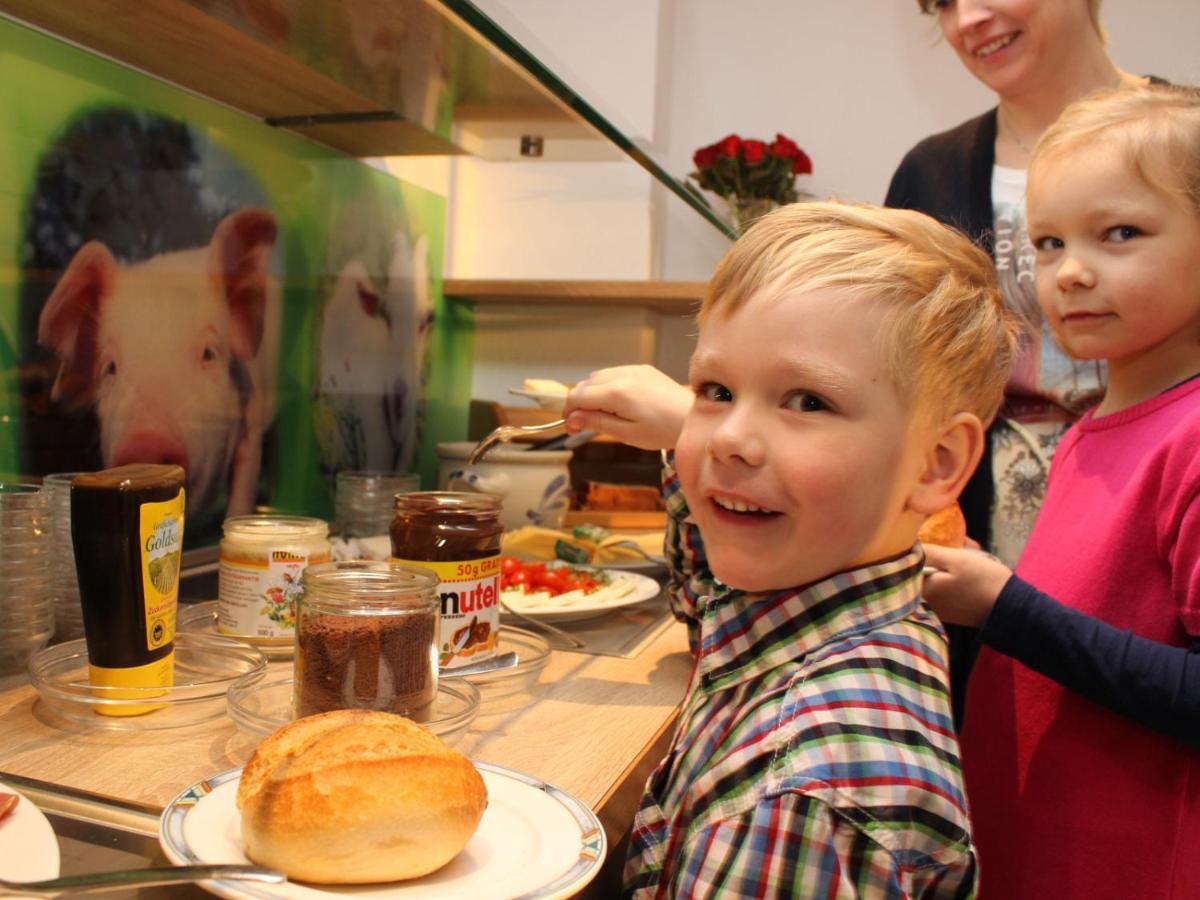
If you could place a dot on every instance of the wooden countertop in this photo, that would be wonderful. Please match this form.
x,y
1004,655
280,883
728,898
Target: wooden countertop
x,y
596,727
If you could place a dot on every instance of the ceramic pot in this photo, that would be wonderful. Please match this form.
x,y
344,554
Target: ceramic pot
x,y
534,486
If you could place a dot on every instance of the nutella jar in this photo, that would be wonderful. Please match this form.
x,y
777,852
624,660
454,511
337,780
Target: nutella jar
x,y
365,635
457,535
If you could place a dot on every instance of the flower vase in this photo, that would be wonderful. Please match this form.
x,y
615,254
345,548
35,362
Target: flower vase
x,y
745,210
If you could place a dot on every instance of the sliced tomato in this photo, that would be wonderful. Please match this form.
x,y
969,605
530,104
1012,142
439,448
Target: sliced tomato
x,y
519,578
577,581
548,580
509,564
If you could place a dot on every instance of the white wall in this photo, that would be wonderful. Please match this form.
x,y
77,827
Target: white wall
x,y
545,219
854,82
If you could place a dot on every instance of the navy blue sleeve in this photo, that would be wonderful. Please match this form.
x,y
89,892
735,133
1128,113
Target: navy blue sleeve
x,y
1155,685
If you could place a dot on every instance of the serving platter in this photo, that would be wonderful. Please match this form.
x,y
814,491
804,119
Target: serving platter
x,y
534,841
624,588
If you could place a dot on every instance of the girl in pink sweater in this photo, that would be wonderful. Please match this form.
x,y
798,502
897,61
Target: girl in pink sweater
x,y
1082,723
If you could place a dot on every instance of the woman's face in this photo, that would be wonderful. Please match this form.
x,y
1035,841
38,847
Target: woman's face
x,y
1013,46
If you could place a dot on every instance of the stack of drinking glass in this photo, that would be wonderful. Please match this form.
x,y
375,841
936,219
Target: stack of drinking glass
x,y
64,584
26,609
364,500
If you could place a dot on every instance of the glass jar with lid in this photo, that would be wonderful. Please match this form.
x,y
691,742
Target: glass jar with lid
x,y
457,535
262,557
365,639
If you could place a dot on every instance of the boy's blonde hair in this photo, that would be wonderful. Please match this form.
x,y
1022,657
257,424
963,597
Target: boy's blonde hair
x,y
1156,126
949,341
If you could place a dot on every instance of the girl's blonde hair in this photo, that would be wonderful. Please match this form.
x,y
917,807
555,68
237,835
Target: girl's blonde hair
x,y
1156,126
947,337
929,7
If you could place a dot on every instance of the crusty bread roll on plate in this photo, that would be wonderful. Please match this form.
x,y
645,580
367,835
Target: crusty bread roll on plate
x,y
946,527
356,796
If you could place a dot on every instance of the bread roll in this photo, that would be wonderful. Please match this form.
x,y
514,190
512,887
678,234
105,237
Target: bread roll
x,y
946,527
356,796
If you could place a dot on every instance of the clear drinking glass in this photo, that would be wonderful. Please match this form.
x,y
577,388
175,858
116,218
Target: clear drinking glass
x,y
64,583
26,607
364,500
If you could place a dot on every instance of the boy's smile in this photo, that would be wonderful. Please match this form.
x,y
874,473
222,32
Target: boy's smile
x,y
798,454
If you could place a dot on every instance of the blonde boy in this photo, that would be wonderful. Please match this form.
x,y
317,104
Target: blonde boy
x,y
848,358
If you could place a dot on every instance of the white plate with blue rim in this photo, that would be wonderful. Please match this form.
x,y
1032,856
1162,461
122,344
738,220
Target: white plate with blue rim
x,y
534,841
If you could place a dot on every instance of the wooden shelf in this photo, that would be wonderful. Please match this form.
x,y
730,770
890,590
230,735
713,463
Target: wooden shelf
x,y
311,78
674,297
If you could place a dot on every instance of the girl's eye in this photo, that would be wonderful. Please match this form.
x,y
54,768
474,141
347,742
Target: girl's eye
x,y
209,353
1122,233
1048,243
109,369
802,401
718,393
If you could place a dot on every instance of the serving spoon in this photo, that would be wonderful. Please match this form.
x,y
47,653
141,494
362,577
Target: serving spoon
x,y
566,637
506,433
99,882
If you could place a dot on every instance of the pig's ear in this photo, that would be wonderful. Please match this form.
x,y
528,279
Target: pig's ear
x,y
69,319
240,252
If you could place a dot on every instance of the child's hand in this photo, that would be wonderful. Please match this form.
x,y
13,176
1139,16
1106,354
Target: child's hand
x,y
964,588
637,405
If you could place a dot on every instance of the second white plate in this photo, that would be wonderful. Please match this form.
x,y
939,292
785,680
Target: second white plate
x,y
535,841
625,588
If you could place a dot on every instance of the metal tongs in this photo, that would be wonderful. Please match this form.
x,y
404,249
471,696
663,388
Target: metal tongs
x,y
506,433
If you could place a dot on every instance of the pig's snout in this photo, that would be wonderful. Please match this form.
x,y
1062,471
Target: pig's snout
x,y
150,447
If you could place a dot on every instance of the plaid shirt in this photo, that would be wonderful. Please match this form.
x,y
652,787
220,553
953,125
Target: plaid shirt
x,y
815,754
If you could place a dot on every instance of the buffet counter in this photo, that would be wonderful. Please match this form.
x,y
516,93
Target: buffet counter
x,y
594,726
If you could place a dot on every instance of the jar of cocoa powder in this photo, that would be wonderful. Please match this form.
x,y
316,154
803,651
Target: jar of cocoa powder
x,y
457,535
366,634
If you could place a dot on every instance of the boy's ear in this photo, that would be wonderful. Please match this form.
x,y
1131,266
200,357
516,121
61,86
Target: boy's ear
x,y
949,462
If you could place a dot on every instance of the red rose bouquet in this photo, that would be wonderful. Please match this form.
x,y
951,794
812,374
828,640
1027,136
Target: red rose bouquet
x,y
752,176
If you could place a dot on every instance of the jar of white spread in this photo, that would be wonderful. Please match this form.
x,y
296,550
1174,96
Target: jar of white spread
x,y
262,558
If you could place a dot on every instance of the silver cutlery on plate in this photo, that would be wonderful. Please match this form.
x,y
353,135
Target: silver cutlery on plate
x,y
99,882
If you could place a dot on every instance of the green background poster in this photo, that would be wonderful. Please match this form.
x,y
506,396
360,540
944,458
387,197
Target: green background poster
x,y
367,367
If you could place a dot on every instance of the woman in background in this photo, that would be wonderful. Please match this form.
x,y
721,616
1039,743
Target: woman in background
x,y
1037,56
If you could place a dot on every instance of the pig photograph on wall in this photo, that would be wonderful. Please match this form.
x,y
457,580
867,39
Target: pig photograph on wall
x,y
374,324
150,289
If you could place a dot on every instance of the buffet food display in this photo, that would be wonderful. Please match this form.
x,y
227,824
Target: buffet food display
x,y
343,676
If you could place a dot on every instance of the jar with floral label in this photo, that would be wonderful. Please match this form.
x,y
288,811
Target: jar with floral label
x,y
262,559
457,535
